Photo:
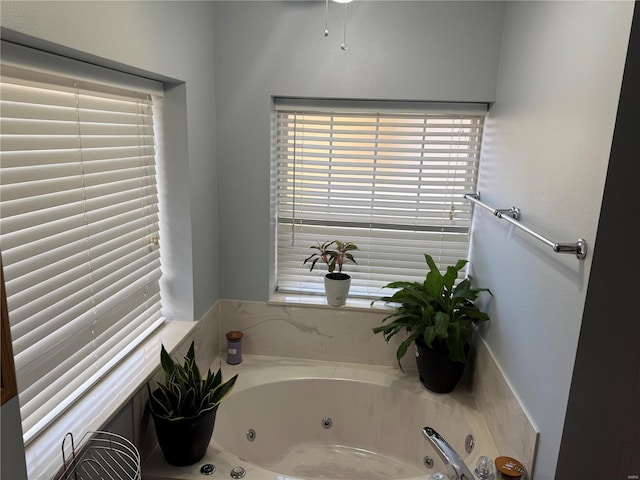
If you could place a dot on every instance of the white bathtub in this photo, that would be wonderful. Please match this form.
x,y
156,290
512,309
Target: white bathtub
x,y
376,416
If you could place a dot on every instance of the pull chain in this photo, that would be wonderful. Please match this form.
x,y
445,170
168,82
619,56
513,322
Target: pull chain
x,y
326,19
344,45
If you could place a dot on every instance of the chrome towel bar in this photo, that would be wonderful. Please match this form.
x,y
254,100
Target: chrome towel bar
x,y
512,215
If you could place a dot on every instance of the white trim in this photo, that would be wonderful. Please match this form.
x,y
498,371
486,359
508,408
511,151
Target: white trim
x,y
310,300
81,391
365,106
20,56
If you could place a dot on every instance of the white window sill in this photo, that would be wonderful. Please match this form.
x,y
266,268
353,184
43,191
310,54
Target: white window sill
x,y
95,409
320,301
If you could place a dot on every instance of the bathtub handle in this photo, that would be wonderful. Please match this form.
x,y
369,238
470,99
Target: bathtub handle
x,y
456,467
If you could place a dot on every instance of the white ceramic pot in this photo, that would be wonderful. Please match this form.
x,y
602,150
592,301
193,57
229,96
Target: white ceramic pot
x,y
336,287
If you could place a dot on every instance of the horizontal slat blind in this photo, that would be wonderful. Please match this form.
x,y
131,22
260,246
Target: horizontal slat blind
x,y
79,229
392,183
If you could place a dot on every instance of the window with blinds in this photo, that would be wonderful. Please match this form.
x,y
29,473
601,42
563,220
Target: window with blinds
x,y
391,181
78,232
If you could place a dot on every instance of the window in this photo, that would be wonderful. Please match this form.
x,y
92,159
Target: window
x,y
390,180
79,232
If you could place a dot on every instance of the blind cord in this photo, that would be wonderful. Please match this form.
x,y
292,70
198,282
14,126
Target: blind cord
x,y
86,223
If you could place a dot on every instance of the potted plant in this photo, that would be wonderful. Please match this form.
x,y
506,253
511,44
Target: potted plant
x,y
439,316
334,254
184,408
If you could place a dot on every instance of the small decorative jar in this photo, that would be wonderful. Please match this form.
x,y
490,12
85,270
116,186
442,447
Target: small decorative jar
x,y
234,347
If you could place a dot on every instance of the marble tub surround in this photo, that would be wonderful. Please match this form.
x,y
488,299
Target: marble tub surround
x,y
513,431
208,337
312,332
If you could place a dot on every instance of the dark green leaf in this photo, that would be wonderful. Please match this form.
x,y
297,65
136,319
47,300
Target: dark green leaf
x,y
429,335
167,363
450,277
441,325
456,341
217,379
402,349
223,390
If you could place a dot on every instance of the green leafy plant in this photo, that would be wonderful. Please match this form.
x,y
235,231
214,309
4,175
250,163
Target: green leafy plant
x,y
437,310
334,254
185,393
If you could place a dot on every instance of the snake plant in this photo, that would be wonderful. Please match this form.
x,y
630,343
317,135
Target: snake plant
x,y
185,393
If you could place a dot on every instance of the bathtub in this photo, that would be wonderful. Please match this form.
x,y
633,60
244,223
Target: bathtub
x,y
293,419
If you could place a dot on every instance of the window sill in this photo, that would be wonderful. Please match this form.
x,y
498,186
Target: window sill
x,y
94,409
320,301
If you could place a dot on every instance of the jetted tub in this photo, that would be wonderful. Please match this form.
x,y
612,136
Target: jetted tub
x,y
290,419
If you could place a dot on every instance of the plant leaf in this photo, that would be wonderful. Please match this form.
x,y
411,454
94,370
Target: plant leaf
x,y
429,335
441,325
167,363
456,340
159,406
223,390
402,349
191,354
474,313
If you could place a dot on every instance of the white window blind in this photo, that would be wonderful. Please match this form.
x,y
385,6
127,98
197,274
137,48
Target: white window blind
x,y
79,233
391,181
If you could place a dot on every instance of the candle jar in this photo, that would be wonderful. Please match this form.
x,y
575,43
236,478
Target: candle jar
x,y
234,347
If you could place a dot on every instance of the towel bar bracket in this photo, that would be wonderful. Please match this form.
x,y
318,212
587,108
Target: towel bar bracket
x,y
579,248
513,211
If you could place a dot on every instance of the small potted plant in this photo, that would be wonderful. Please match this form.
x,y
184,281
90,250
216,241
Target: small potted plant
x,y
184,408
334,254
439,316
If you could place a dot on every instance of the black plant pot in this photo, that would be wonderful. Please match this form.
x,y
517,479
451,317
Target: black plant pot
x,y
438,373
185,441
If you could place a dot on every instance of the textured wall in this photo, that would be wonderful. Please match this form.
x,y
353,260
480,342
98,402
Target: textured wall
x,y
546,150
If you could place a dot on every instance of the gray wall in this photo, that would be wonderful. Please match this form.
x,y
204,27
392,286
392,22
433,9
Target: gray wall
x,y
435,51
170,41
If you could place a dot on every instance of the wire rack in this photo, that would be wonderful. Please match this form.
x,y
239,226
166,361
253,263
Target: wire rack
x,y
102,456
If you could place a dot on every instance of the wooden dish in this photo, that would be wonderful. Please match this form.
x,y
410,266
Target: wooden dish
x,y
509,466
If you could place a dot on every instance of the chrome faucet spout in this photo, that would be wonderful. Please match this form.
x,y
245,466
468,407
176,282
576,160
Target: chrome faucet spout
x,y
456,467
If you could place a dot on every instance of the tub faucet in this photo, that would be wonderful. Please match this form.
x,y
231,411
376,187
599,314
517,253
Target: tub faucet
x,y
456,468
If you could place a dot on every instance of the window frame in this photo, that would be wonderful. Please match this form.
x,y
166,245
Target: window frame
x,y
17,56
357,107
